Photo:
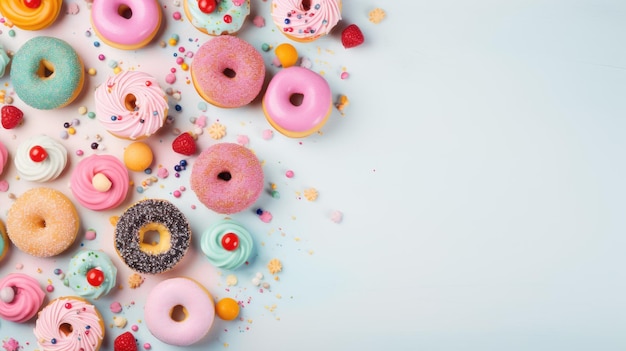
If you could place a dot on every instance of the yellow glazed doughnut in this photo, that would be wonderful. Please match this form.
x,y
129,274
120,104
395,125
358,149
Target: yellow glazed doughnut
x,y
42,222
31,15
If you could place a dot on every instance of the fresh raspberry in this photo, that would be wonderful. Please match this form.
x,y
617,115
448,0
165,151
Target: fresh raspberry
x,y
11,116
352,36
184,144
125,342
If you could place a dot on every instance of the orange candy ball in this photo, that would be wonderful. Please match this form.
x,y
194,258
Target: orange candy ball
x,y
227,309
286,54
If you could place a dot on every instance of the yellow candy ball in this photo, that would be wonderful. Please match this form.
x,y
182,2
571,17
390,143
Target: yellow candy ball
x,y
227,309
286,54
138,156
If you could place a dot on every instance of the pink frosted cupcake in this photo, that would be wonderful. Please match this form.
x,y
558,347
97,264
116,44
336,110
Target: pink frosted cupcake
x,y
21,296
100,182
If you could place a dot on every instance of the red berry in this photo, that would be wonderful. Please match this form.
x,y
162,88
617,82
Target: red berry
x,y
228,18
11,116
207,6
125,342
230,241
95,277
184,144
352,36
37,153
33,4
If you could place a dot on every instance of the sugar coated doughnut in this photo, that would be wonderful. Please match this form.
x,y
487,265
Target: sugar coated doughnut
x,y
100,182
40,159
69,323
290,116
131,105
31,17
305,20
227,244
91,274
4,241
4,156
179,311
126,24
152,215
42,222
21,297
228,72
226,17
47,73
227,178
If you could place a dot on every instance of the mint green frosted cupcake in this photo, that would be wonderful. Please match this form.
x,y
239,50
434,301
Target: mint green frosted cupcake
x,y
91,274
227,244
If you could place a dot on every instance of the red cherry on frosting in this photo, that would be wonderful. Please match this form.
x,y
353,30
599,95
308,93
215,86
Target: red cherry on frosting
x,y
37,153
207,6
95,277
33,4
230,241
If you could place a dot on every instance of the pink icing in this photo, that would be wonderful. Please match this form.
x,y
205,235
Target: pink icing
x,y
220,54
84,191
130,32
296,21
150,105
4,156
184,292
310,115
28,298
85,321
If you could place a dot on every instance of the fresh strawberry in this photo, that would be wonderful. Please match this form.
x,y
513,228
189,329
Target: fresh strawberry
x,y
352,36
11,116
184,144
125,342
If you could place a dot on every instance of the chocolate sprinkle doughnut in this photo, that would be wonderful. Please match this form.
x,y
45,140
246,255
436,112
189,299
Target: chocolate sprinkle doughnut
x,y
156,215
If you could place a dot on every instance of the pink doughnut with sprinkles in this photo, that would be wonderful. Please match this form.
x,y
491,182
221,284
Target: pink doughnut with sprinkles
x,y
228,72
306,20
227,178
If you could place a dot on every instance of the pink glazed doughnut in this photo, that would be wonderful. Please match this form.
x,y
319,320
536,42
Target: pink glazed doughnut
x,y
227,178
179,311
293,118
126,24
100,182
228,71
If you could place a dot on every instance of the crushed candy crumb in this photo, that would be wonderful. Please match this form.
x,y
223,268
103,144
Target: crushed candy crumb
x,y
274,266
377,15
135,281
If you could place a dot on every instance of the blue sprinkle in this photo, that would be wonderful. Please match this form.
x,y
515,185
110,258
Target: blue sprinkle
x,y
148,170
53,341
113,118
155,113
259,211
57,271
178,108
96,44
139,189
317,6
183,163
287,21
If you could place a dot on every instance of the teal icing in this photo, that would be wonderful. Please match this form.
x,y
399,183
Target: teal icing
x,y
56,90
81,263
211,244
4,60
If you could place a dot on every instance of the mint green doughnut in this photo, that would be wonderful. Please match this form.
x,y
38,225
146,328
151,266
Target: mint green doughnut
x,y
54,89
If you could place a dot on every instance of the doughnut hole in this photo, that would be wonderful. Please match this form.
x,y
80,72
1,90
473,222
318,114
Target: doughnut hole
x,y
224,175
45,70
229,72
125,11
296,99
65,329
178,313
154,239
130,101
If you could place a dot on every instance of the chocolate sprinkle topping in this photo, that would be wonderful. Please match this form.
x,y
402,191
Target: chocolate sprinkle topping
x,y
151,211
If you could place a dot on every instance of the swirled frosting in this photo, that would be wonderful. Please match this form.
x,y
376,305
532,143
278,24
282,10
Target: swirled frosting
x,y
84,261
48,169
296,21
87,194
4,156
29,18
227,18
131,105
27,299
211,244
4,60
86,325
